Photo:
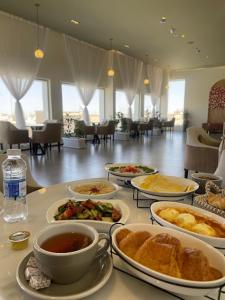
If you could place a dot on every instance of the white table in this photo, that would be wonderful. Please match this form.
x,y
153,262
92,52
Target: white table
x,y
119,286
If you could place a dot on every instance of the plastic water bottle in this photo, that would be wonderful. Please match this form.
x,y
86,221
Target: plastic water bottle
x,y
14,186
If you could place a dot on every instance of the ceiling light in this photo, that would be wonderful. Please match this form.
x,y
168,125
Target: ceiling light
x,y
182,36
38,53
126,46
74,22
111,71
146,81
207,56
163,20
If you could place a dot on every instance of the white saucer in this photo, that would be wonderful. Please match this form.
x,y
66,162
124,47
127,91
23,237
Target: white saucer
x,y
99,273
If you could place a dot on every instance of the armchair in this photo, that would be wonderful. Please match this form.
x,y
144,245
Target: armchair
x,y
11,135
201,151
51,133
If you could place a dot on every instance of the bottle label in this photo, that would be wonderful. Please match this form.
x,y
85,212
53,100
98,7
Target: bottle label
x,y
15,188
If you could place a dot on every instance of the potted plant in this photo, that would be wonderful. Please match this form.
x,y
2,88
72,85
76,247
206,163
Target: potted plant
x,y
122,134
73,133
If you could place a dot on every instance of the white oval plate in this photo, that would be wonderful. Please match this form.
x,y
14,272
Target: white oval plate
x,y
100,226
99,273
189,287
137,181
128,175
94,181
214,241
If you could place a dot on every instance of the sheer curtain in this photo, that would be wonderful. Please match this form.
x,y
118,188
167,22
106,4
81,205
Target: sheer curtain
x,y
155,74
18,66
130,70
87,63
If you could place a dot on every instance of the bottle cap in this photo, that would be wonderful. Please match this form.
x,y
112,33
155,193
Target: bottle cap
x,y
14,152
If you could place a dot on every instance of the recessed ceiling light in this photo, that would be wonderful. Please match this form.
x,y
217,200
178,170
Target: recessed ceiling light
x,y
182,36
76,22
163,20
126,46
207,56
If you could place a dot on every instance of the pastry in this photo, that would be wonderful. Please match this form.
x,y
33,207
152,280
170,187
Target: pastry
x,y
165,254
132,242
122,234
159,253
216,200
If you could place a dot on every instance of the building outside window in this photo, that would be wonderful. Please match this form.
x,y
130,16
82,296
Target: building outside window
x,y
34,103
176,101
73,106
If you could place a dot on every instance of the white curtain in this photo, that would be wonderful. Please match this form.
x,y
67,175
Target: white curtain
x,y
130,70
155,75
87,64
18,65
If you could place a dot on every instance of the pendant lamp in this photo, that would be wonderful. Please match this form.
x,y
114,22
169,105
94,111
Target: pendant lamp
x,y
38,53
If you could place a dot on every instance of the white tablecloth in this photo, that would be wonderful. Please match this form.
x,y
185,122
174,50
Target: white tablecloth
x,y
119,286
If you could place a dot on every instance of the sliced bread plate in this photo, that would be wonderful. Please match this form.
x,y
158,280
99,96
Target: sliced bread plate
x,y
93,189
129,170
161,187
215,259
99,225
191,217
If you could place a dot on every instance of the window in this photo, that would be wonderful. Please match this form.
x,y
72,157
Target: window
x,y
73,106
34,103
122,104
148,107
176,100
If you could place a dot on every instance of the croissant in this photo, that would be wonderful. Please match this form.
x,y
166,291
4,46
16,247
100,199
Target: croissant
x,y
159,256
132,242
122,234
216,200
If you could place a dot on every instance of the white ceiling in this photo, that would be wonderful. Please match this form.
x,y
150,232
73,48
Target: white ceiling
x,y
136,22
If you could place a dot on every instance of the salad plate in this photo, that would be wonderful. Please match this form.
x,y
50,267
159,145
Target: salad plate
x,y
60,212
129,170
99,273
93,189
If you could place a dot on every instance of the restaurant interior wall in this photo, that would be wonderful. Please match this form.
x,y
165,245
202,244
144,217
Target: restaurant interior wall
x,y
198,85
55,69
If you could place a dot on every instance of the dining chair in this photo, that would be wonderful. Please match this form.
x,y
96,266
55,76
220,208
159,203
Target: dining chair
x,y
50,133
32,184
10,135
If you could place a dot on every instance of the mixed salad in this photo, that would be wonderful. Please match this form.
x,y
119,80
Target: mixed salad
x,y
131,169
88,210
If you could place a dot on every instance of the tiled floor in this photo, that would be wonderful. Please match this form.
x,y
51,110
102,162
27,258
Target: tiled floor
x,y
165,152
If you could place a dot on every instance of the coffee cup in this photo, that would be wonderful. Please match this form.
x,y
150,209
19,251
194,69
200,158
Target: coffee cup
x,y
68,267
